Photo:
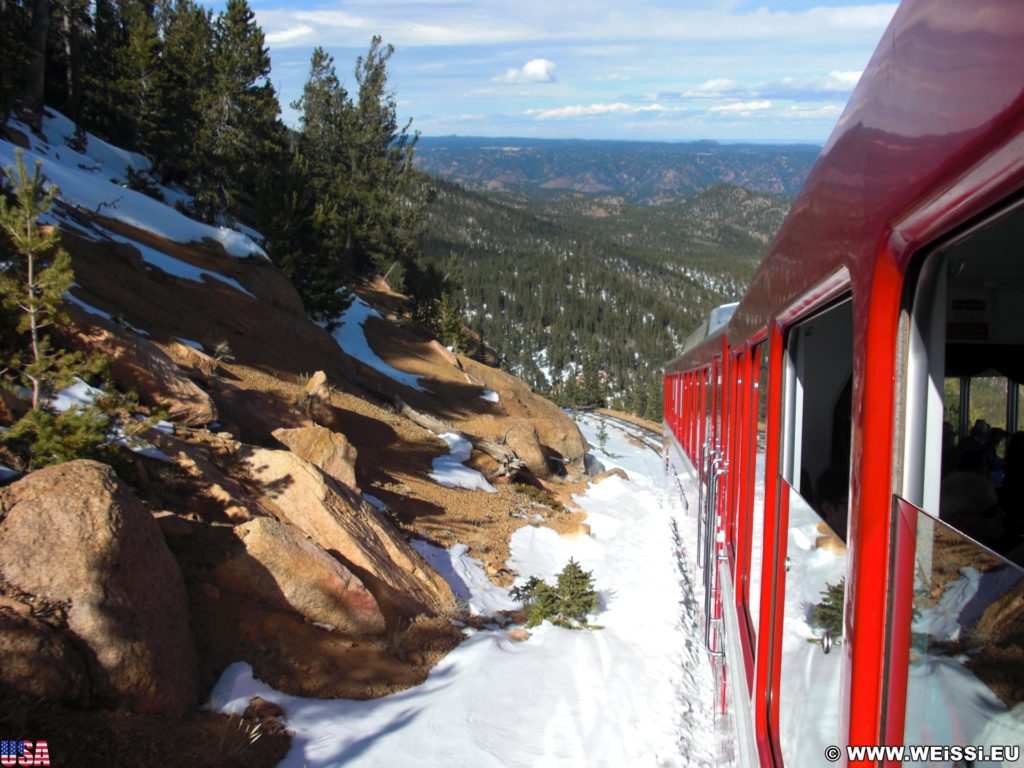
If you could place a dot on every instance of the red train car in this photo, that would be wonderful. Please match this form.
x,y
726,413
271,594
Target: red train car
x,y
849,442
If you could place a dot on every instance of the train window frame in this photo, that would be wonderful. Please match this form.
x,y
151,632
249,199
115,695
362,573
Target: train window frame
x,y
792,466
930,330
922,350
757,396
796,643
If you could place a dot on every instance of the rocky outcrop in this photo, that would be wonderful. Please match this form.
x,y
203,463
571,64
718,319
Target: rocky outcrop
x,y
317,402
195,363
330,451
564,443
286,571
522,438
255,414
139,365
75,533
339,521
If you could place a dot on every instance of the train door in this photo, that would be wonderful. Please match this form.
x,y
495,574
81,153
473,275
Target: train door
x,y
807,651
956,651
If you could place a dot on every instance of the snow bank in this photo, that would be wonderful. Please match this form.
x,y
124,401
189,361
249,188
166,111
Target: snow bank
x,y
93,180
467,578
449,470
351,337
175,267
636,693
100,313
490,396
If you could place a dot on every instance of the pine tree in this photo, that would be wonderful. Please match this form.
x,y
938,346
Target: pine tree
x,y
448,325
322,197
828,613
34,282
240,135
14,26
389,194
186,32
567,604
593,390
576,593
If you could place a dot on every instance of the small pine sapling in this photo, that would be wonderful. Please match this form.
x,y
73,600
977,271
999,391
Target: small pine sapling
x,y
565,605
602,437
828,613
37,273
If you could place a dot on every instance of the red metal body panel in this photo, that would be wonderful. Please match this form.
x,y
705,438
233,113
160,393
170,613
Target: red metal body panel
x,y
933,136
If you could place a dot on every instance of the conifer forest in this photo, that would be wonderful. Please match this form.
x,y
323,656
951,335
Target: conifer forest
x,y
582,293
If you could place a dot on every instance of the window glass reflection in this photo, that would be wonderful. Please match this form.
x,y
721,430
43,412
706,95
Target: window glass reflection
x,y
966,676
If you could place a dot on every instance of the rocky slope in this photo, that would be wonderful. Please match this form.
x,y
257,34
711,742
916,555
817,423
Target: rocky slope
x,y
272,525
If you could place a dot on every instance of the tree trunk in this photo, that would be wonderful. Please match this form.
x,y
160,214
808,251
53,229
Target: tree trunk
x,y
35,75
508,462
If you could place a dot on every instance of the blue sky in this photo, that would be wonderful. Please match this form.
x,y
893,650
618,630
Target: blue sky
x,y
601,69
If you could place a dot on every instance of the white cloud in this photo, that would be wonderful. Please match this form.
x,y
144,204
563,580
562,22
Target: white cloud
x,y
827,112
289,35
533,71
603,21
742,107
590,110
715,87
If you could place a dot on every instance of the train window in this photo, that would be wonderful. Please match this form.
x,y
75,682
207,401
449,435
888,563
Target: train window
x,y
963,474
818,395
966,359
816,467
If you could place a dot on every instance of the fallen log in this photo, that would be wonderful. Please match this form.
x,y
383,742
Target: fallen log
x,y
509,463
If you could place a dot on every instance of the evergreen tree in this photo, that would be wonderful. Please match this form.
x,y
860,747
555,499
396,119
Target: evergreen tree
x,y
365,201
449,324
35,65
389,194
592,394
565,605
602,436
137,77
14,25
186,32
70,28
37,274
240,131
99,101
321,264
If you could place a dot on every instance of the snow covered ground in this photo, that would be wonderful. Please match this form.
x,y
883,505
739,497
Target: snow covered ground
x,y
95,179
351,337
635,693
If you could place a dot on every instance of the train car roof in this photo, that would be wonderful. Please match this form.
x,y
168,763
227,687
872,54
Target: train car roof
x,y
937,117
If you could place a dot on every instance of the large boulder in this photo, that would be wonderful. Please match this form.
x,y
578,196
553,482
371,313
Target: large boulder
x,y
330,451
39,662
522,438
74,533
564,443
287,571
339,521
138,364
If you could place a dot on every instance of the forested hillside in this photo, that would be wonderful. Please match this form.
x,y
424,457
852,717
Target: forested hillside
x,y
586,296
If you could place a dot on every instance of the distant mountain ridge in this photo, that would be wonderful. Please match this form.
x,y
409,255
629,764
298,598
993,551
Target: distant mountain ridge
x,y
644,173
